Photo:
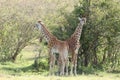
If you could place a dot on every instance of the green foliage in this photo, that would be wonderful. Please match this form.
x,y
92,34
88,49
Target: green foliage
x,y
100,40
100,45
18,19
41,64
100,36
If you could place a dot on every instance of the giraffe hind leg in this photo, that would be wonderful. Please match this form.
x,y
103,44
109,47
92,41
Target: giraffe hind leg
x,y
66,66
62,66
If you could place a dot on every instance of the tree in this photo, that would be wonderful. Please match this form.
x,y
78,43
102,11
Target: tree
x,y
99,40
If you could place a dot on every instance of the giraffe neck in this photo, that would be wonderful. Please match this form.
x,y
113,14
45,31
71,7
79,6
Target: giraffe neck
x,y
77,34
47,35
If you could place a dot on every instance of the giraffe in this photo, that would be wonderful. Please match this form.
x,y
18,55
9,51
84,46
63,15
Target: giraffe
x,y
74,44
55,46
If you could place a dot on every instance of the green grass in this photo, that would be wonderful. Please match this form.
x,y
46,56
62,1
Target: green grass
x,y
22,69
23,64
80,77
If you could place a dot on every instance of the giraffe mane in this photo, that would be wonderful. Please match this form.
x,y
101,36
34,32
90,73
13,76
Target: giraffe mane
x,y
50,34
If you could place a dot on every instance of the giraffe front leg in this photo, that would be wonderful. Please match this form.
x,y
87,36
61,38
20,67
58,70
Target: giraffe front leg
x,y
75,59
50,68
71,66
75,65
52,64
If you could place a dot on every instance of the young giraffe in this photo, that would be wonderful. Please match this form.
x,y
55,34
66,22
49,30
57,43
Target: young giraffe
x,y
55,46
74,44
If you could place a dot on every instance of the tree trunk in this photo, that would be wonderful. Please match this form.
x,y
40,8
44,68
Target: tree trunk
x,y
20,46
95,59
104,57
86,59
15,54
95,45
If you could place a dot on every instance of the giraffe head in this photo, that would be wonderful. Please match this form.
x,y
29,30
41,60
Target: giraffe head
x,y
82,20
38,25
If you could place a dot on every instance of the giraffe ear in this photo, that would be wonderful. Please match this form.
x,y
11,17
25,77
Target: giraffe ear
x,y
39,21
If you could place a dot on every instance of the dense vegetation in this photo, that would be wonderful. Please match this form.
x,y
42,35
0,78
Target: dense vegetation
x,y
100,40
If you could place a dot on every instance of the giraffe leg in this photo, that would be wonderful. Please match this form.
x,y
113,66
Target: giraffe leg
x,y
52,64
67,63
72,63
59,65
62,67
75,59
75,64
